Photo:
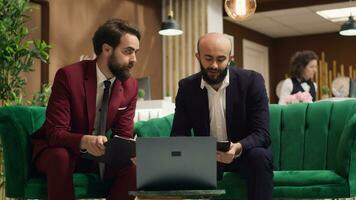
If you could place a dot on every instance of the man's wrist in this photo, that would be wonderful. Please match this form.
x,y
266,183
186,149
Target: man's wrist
x,y
82,144
238,150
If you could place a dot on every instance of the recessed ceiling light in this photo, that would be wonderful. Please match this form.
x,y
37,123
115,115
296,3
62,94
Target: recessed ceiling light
x,y
338,15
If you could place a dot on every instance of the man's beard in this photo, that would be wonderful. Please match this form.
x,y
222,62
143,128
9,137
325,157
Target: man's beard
x,y
121,72
213,81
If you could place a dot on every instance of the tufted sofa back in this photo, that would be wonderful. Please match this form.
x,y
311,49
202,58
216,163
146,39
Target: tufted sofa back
x,y
314,136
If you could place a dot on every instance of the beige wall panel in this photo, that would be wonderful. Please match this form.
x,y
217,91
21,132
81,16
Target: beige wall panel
x,y
73,23
179,55
33,78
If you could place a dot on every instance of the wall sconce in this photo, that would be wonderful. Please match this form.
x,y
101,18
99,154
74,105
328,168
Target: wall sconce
x,y
169,26
240,10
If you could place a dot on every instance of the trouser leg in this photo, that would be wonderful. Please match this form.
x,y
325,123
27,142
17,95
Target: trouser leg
x,y
58,166
124,181
255,165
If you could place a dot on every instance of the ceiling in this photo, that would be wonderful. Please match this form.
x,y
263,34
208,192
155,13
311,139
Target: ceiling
x,y
293,21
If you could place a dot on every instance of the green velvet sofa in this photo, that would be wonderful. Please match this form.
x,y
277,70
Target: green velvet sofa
x,y
313,145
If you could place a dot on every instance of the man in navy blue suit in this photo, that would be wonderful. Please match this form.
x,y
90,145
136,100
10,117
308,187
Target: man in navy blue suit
x,y
231,104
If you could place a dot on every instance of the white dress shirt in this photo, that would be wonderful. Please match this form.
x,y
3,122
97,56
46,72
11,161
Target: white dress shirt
x,y
100,78
217,108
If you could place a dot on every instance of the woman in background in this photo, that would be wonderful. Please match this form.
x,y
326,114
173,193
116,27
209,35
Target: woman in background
x,y
303,66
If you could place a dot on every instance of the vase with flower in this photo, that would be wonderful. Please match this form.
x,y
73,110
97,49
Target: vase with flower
x,y
300,97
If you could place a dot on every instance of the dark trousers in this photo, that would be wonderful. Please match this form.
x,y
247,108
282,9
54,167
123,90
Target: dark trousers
x,y
59,165
254,165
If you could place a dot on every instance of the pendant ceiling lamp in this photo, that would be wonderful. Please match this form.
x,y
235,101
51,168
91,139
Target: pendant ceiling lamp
x,y
240,10
349,27
170,27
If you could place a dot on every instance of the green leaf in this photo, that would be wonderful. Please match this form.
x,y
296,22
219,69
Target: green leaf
x,y
17,53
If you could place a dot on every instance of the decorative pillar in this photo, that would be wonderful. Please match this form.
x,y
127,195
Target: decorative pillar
x,y
196,18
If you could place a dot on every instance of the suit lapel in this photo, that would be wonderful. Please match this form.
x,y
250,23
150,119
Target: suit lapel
x,y
90,93
231,95
114,103
203,102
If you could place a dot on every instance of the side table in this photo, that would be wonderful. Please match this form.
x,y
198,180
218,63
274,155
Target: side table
x,y
176,194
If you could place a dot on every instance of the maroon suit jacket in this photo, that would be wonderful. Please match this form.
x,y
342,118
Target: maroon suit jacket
x,y
71,108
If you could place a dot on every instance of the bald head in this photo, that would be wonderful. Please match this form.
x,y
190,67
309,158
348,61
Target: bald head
x,y
216,41
213,54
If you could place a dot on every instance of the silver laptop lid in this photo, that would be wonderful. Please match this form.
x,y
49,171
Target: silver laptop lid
x,y
176,163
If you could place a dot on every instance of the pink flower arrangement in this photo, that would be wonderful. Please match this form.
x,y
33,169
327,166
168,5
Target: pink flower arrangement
x,y
300,97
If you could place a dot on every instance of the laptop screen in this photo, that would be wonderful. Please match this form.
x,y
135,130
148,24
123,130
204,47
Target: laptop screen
x,y
176,163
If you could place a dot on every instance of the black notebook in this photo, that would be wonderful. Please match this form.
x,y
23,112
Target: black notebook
x,y
118,152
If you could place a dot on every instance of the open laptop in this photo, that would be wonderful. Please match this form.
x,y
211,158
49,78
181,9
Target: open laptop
x,y
176,163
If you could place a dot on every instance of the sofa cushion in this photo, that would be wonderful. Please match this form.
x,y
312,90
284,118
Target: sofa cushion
x,y
292,184
306,178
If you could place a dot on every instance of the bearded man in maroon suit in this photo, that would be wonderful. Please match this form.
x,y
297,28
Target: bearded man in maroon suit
x,y
72,117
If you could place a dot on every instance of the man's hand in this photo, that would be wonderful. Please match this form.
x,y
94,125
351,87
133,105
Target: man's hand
x,y
94,144
228,157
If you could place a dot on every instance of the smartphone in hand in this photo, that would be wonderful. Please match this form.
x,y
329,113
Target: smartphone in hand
x,y
223,145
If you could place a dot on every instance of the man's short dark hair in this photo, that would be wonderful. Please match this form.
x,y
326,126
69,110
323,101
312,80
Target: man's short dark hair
x,y
111,32
299,61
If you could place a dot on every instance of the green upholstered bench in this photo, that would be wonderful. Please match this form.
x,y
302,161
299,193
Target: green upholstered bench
x,y
314,152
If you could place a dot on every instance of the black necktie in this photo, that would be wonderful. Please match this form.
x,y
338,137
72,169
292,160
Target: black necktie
x,y
102,120
104,109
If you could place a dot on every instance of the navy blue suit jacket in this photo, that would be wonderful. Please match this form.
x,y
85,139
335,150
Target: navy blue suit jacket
x,y
247,113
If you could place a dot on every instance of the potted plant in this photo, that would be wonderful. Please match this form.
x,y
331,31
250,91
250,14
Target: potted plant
x,y
141,94
325,91
168,97
41,98
16,53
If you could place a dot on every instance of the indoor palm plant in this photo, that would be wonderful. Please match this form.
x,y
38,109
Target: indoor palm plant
x,y
16,53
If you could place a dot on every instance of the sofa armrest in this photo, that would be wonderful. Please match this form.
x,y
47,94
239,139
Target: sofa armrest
x,y
17,123
346,154
352,174
15,152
